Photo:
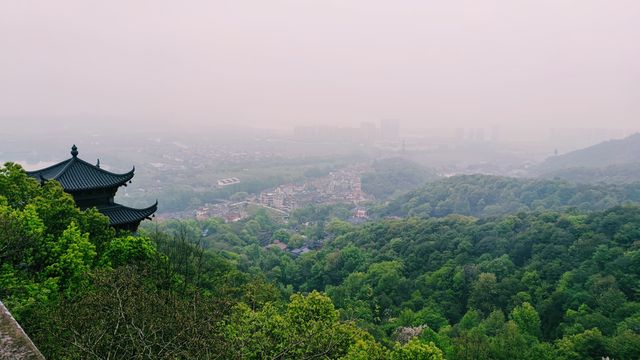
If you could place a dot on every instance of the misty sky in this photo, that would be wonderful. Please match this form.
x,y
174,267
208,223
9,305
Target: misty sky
x,y
537,63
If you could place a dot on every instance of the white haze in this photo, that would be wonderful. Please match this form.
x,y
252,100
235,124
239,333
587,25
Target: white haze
x,y
280,63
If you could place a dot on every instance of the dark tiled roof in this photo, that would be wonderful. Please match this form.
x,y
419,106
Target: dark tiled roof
x,y
76,174
120,214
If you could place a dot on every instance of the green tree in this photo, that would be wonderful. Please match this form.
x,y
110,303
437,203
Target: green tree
x,y
417,350
590,344
129,250
308,327
527,319
71,256
484,293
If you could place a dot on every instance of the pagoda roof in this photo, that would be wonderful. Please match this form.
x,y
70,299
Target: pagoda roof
x,y
120,214
75,174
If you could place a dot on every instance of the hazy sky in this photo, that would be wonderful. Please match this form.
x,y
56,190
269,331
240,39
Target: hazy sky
x,y
444,63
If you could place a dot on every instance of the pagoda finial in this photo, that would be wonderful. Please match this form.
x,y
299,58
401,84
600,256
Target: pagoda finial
x,y
74,150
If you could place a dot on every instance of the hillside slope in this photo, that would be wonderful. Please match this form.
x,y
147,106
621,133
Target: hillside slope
x,y
487,196
608,153
613,174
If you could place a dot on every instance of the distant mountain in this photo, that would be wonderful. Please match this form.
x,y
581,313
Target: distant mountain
x,y
613,161
612,152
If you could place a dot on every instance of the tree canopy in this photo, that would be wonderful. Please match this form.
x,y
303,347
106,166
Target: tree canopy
x,y
535,284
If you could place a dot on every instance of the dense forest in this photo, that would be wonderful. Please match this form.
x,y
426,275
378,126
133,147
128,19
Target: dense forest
x,y
395,176
532,285
557,281
612,174
490,196
82,291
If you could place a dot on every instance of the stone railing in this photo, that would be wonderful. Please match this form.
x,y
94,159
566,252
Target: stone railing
x,y
14,343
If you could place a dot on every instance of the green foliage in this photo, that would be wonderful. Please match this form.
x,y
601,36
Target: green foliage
x,y
129,250
394,176
307,327
70,257
539,268
16,187
47,244
527,319
491,196
82,292
484,292
568,281
319,213
612,174
416,350
281,235
590,344
366,350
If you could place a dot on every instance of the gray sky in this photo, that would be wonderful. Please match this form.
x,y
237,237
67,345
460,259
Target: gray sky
x,y
447,63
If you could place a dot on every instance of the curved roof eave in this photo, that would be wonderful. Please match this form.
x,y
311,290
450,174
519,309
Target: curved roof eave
x,y
121,214
94,177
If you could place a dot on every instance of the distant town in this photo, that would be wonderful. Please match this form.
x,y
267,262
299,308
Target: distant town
x,y
230,172
341,186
